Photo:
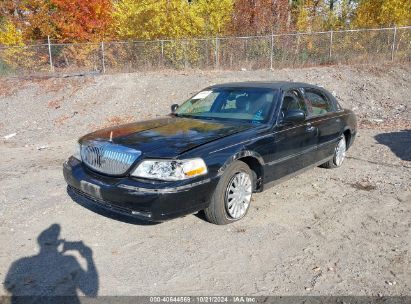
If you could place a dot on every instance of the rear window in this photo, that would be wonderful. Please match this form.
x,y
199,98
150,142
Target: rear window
x,y
317,102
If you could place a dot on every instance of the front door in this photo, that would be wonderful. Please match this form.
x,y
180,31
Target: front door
x,y
294,144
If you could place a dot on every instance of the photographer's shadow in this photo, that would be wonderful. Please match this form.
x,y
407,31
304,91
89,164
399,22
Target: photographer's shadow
x,y
53,271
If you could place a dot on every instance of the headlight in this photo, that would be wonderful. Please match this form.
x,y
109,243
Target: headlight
x,y
76,153
170,170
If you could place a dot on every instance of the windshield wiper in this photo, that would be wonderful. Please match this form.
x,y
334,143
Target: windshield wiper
x,y
206,118
195,117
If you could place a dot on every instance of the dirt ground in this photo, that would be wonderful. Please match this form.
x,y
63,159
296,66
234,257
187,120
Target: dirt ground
x,y
326,232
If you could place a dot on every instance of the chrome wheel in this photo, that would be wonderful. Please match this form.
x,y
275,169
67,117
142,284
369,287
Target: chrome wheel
x,y
340,152
238,195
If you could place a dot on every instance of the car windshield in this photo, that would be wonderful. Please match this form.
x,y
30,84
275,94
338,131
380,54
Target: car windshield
x,y
247,104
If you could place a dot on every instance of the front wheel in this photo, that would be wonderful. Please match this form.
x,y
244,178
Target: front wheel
x,y
232,196
339,155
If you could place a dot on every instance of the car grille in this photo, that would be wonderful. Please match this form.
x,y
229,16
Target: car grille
x,y
108,158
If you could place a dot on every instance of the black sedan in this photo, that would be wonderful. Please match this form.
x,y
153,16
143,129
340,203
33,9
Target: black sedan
x,y
213,152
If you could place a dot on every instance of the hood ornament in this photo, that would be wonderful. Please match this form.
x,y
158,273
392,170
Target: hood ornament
x,y
111,136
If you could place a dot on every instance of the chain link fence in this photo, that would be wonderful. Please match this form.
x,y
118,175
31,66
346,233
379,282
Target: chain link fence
x,y
256,52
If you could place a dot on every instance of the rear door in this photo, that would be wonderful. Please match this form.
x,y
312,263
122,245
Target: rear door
x,y
323,114
293,144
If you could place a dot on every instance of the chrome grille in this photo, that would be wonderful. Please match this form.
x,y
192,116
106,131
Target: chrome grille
x,y
108,158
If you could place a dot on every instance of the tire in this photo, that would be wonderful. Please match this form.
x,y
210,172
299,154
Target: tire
x,y
229,202
339,155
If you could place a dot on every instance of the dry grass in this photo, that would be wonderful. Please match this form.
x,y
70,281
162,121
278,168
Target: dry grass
x,y
55,103
61,120
9,87
112,121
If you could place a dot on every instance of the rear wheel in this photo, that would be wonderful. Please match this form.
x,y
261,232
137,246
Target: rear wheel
x,y
339,155
232,196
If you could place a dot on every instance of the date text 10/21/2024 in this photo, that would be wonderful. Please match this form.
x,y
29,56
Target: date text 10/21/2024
x,y
204,299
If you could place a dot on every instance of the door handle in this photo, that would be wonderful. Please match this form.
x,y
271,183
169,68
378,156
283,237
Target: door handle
x,y
310,128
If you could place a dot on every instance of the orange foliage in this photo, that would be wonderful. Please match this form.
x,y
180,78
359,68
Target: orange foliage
x,y
37,23
79,20
32,17
67,20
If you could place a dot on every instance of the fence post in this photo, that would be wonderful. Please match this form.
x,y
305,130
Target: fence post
x,y
393,43
217,59
331,45
50,57
297,50
162,51
185,48
272,51
102,57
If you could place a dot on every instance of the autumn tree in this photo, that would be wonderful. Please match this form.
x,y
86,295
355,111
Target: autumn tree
x,y
66,20
96,20
79,20
38,23
320,15
260,16
215,15
16,55
378,13
32,17
338,14
153,19
10,11
10,35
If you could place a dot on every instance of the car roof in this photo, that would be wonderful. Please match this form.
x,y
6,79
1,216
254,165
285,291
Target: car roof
x,y
282,85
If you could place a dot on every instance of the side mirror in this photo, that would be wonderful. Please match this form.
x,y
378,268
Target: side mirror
x,y
294,116
174,107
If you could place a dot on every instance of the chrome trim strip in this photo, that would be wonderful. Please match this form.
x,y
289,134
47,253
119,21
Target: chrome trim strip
x,y
140,190
308,122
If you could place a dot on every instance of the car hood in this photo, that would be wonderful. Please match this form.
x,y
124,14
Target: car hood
x,y
166,137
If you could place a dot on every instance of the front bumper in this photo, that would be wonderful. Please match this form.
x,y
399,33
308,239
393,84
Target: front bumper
x,y
151,201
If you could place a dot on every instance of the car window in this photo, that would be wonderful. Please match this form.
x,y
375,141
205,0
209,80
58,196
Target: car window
x,y
206,102
293,101
251,104
318,103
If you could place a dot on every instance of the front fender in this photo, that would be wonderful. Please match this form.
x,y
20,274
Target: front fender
x,y
241,154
